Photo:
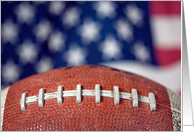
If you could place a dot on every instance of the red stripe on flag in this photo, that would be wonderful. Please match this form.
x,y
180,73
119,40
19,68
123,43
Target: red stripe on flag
x,y
165,57
165,7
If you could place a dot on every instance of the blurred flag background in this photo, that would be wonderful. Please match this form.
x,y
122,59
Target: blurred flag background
x,y
139,37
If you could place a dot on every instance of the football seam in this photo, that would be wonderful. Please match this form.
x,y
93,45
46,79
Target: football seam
x,y
79,92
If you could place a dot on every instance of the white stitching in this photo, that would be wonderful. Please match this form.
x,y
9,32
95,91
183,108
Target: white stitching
x,y
152,102
60,95
97,92
78,94
41,98
23,101
135,97
116,95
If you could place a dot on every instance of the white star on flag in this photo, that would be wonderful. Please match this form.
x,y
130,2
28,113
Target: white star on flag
x,y
124,30
45,64
134,14
105,9
25,13
27,52
10,72
42,30
57,41
9,32
71,17
141,52
75,55
89,31
56,7
110,48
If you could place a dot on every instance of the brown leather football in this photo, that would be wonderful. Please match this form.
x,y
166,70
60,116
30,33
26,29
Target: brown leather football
x,y
89,98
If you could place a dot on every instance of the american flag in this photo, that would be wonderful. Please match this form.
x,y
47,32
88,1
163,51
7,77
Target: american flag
x,y
137,36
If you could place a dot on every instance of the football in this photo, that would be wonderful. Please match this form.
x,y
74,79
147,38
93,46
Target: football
x,y
89,98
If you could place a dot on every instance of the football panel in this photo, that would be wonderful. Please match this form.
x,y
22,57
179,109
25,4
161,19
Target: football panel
x,y
87,115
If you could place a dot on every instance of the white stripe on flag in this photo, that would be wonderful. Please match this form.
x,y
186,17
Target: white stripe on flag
x,y
166,31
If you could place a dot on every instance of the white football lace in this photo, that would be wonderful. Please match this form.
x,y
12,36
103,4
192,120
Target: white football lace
x,y
79,92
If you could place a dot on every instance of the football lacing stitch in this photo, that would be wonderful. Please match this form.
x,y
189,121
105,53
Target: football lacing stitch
x,y
79,92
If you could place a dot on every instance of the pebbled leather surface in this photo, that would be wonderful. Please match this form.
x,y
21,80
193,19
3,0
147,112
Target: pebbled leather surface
x,y
87,115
